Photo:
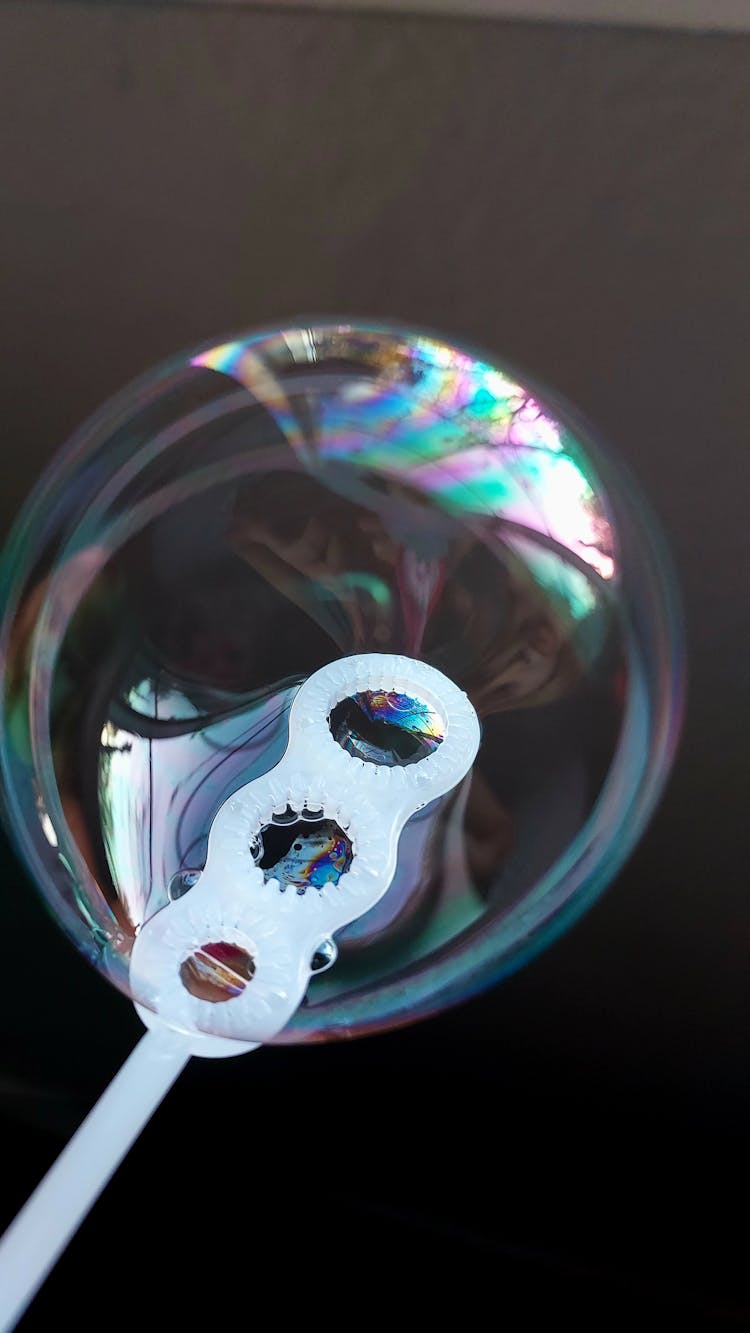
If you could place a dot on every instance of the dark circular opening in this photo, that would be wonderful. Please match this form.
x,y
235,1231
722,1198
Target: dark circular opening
x,y
217,972
302,849
386,728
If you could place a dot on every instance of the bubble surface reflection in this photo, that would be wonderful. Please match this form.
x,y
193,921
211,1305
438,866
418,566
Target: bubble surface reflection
x,y
253,510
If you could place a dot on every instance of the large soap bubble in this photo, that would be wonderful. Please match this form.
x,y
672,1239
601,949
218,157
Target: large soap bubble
x,y
254,510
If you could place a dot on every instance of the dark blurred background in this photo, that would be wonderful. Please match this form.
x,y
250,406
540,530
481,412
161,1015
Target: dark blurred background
x,y
574,1143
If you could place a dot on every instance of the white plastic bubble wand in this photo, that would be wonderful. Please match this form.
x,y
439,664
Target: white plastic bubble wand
x,y
222,969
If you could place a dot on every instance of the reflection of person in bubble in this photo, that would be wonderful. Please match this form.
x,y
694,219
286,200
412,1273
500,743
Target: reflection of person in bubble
x,y
376,572
340,562
331,558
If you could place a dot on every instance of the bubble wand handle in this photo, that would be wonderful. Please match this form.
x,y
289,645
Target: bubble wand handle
x,y
48,1220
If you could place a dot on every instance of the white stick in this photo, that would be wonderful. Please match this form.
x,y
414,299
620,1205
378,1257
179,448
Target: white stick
x,y
42,1229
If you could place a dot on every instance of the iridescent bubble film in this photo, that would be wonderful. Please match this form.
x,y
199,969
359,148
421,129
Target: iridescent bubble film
x,y
255,509
217,972
386,727
305,853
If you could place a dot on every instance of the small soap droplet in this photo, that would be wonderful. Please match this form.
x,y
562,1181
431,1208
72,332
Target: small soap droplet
x,y
182,883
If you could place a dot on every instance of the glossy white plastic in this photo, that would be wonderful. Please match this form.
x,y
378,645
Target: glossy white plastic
x,y
279,928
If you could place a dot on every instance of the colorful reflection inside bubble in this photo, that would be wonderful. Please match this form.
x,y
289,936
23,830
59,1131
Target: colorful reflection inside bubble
x,y
217,972
253,511
303,852
386,727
